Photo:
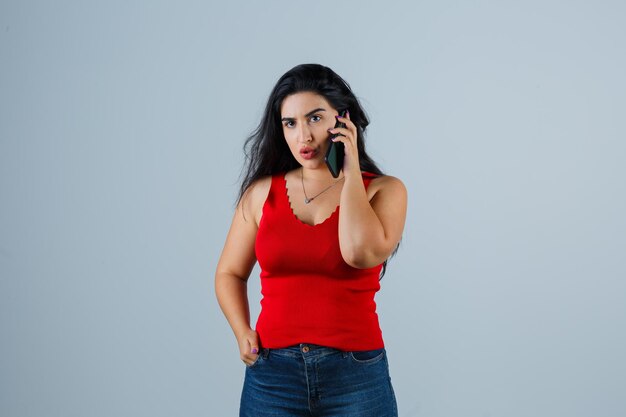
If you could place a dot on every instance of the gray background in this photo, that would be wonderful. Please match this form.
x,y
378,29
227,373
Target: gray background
x,y
121,126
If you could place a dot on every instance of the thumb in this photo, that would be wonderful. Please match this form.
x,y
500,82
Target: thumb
x,y
253,341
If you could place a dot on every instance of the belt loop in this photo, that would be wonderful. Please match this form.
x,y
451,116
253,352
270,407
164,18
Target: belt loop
x,y
265,353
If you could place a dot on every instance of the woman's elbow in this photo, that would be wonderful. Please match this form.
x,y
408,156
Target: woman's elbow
x,y
363,258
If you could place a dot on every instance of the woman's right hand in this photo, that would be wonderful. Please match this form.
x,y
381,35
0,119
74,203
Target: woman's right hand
x,y
248,346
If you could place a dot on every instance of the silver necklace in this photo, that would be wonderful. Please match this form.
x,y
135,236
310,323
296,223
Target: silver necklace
x,y
307,200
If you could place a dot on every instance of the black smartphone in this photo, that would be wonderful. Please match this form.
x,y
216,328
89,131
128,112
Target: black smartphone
x,y
335,152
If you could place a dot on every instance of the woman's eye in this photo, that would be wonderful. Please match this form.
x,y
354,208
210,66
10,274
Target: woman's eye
x,y
315,118
289,123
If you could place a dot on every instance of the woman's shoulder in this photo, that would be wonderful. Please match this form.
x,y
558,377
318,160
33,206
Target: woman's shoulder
x,y
258,190
384,183
381,179
254,197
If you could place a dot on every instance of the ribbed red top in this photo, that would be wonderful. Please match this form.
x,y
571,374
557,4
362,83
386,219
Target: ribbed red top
x,y
310,295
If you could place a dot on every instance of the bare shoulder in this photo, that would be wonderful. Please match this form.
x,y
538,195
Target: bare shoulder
x,y
387,185
258,190
254,197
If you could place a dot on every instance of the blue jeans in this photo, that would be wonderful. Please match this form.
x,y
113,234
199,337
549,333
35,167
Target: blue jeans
x,y
309,380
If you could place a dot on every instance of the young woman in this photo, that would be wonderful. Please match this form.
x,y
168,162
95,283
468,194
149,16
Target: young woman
x,y
321,243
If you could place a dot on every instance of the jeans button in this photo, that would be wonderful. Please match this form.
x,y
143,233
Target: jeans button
x,y
305,349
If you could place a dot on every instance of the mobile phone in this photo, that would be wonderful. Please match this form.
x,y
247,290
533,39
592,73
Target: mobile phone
x,y
335,152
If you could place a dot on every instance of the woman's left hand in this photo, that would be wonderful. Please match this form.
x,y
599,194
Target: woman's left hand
x,y
348,136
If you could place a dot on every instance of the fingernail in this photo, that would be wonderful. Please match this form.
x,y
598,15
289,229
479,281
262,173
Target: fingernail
x,y
329,129
337,116
254,350
347,113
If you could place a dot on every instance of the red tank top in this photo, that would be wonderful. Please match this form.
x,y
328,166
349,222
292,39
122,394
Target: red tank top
x,y
310,294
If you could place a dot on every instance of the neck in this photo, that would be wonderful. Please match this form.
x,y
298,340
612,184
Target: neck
x,y
321,174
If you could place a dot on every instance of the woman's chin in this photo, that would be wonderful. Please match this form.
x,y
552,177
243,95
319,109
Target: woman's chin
x,y
313,163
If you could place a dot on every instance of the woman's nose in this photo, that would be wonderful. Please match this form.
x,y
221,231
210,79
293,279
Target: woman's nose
x,y
304,133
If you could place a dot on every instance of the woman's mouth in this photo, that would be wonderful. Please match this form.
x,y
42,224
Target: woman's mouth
x,y
308,152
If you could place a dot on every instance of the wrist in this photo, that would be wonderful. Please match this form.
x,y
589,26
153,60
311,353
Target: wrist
x,y
242,331
352,173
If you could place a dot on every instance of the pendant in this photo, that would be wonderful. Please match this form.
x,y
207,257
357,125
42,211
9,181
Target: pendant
x,y
307,201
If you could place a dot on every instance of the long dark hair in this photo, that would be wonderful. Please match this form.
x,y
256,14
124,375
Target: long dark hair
x,y
266,149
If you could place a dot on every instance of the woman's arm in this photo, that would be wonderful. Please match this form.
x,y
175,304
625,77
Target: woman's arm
x,y
234,267
369,230
370,226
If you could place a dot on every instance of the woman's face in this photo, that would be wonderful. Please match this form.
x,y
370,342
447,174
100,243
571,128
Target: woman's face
x,y
306,118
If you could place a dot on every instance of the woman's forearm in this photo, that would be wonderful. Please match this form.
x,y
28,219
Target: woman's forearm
x,y
361,234
232,295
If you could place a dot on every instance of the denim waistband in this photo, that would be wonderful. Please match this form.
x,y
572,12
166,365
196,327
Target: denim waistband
x,y
303,350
